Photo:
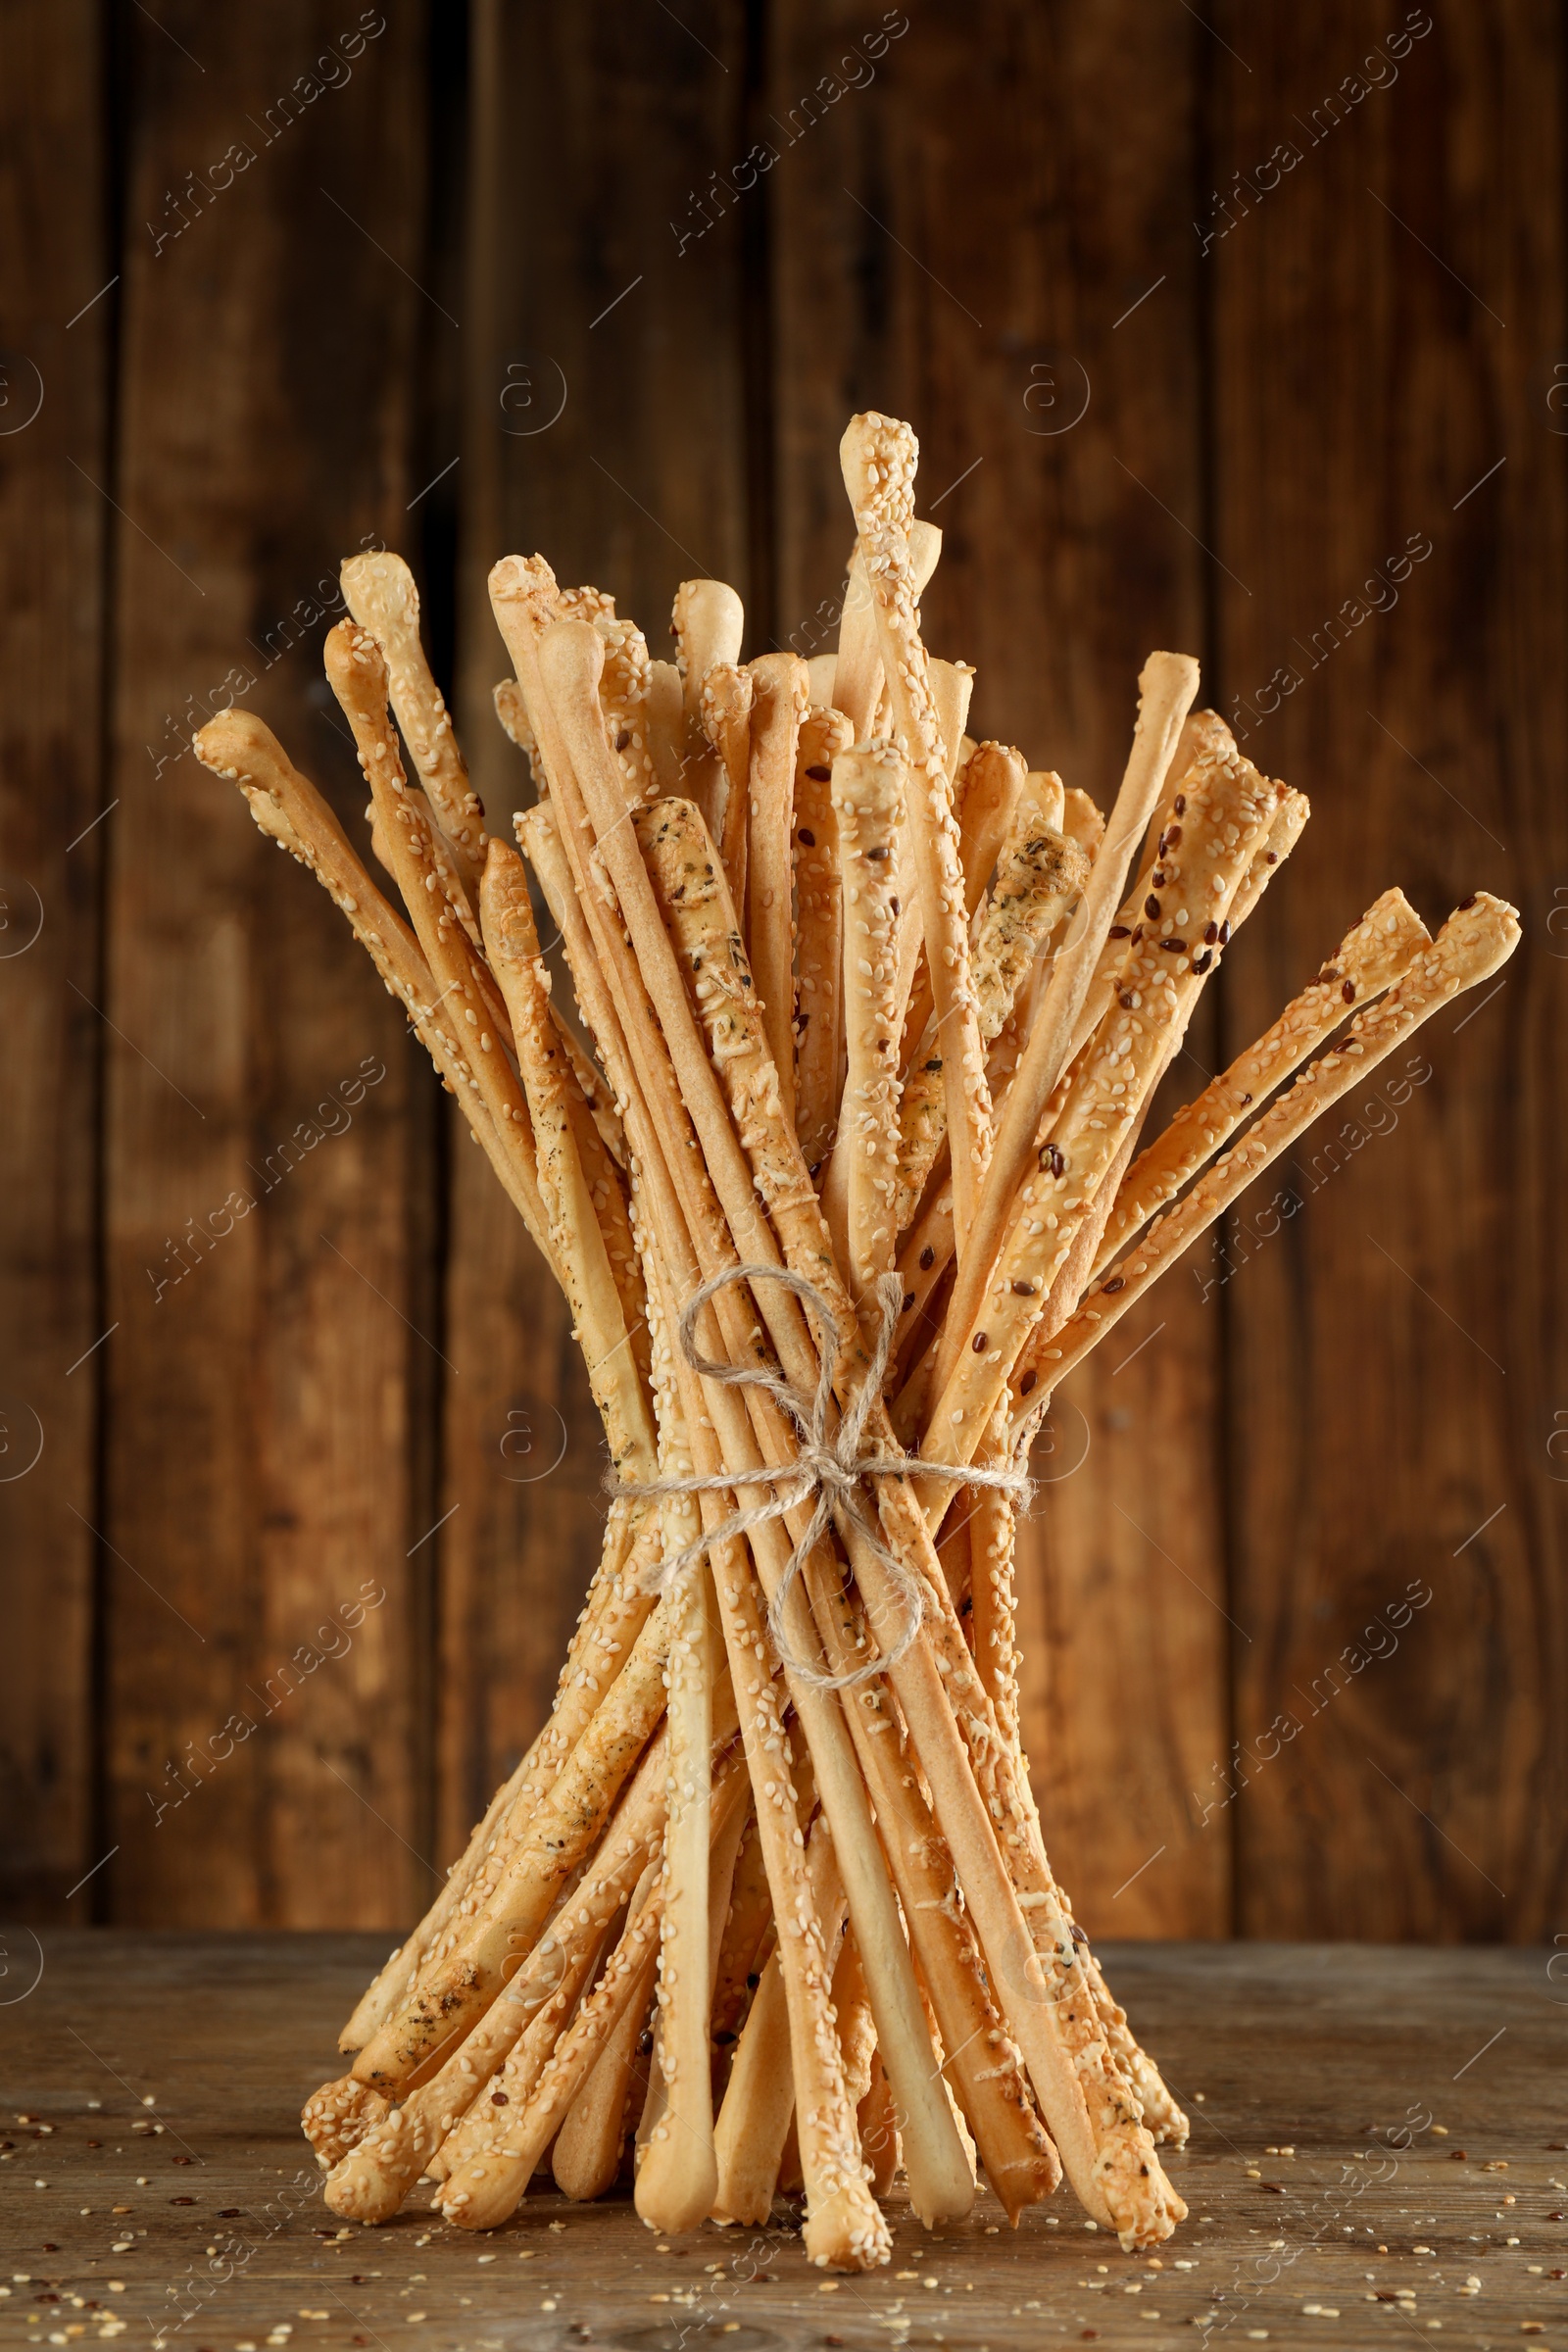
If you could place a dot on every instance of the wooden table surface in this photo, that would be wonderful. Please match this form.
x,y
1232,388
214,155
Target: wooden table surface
x,y
1377,2150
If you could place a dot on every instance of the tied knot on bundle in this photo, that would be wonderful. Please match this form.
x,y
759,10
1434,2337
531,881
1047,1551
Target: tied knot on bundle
x,y
828,1468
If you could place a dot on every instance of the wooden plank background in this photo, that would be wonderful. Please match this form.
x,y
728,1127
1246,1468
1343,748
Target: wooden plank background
x,y
1201,320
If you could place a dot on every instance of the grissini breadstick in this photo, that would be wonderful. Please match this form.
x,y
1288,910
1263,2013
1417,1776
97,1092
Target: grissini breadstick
x,y
666,725
876,2120
986,797
747,1926
512,946
1167,687
858,667
778,706
1369,960
624,697
878,457
1475,939
677,2179
760,2096
372,2183
379,592
819,935
822,669
1161,974
707,624
449,2001
726,714
858,1198
1040,875
289,809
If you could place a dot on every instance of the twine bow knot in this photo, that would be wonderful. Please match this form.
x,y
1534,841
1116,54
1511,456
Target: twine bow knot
x,y
827,1467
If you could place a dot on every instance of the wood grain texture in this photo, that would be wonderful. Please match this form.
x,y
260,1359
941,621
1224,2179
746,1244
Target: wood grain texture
x,y
265,1406
936,256
582,152
1342,2057
1394,1372
53,423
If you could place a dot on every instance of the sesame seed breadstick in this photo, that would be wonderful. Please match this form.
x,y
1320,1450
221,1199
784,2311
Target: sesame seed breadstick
x,y
858,1198
486,2187
666,725
857,665
760,2096
373,2181
819,935
564,1829
379,592
1228,817
878,455
623,698
1475,939
289,809
586,2158
613,1376
706,624
1168,684
1039,876
778,708
747,1926
726,715
986,795
1369,960
675,2181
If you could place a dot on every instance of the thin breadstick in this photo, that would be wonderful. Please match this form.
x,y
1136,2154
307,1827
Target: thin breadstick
x,y
1040,875
778,708
289,809
1161,975
876,2120
587,2155
986,797
372,2183
819,935
676,2179
623,698
868,791
706,624
822,669
747,1926
1167,687
379,592
1475,939
666,725
761,2095
857,667
1380,948
878,457
564,1829
512,946
726,715
336,2118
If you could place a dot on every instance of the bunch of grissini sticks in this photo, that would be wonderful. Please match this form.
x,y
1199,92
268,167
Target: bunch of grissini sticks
x,y
835,1166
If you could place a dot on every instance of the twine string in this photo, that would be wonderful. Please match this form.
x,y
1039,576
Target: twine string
x,y
827,1469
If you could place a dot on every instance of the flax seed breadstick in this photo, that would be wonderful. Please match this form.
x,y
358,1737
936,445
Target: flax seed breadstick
x,y
867,790
819,935
1227,818
1475,939
1166,686
1369,960
379,592
878,457
778,708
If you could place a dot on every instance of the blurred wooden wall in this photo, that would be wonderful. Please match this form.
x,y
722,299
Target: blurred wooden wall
x,y
287,1583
